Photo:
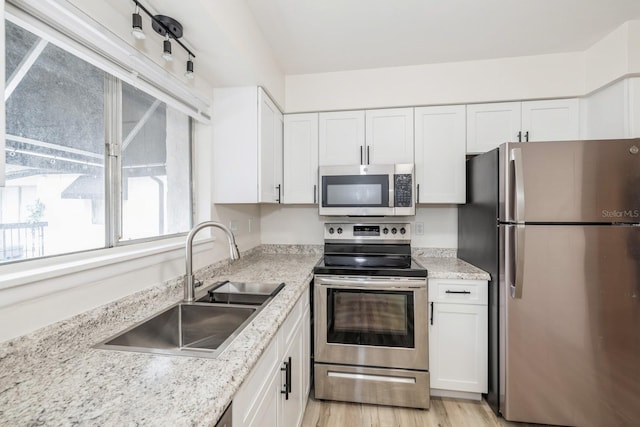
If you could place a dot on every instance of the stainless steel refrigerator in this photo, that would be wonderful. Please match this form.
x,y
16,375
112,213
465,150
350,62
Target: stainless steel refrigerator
x,y
557,225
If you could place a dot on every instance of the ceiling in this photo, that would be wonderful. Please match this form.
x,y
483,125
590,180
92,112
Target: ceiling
x,y
312,36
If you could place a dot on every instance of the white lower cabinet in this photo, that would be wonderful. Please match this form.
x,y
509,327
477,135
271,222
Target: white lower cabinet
x,y
275,392
458,337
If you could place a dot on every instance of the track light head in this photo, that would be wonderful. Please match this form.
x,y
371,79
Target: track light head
x,y
136,25
166,53
189,73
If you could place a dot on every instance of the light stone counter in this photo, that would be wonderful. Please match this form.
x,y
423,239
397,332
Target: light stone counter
x,y
442,264
55,377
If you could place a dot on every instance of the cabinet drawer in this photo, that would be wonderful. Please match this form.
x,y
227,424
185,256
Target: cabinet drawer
x,y
458,291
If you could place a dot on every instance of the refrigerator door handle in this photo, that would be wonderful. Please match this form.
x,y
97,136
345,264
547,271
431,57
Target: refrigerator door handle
x,y
518,268
516,155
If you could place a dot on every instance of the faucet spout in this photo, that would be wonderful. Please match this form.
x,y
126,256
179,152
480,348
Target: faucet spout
x,y
234,254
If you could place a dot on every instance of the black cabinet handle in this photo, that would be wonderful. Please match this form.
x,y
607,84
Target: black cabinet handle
x,y
315,189
279,187
368,157
526,136
431,315
361,161
520,136
287,381
457,292
418,195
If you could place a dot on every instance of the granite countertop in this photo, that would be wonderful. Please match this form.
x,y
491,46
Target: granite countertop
x,y
442,264
54,376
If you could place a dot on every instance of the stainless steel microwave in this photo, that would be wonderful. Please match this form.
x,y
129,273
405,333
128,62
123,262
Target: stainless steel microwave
x,y
367,190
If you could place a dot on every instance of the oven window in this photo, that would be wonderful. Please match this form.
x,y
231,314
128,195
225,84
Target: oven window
x,y
355,191
378,318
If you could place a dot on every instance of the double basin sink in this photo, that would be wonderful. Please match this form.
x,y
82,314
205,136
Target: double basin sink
x,y
203,328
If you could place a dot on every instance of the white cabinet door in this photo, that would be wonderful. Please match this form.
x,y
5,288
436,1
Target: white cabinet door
x,y
266,413
440,154
389,136
489,125
300,158
613,112
292,404
634,108
235,145
552,120
270,150
341,136
261,400
458,347
306,354
247,146
257,399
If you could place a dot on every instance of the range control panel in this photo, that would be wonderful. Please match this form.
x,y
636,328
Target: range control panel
x,y
388,231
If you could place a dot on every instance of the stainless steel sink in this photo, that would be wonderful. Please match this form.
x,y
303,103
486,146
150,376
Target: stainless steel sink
x,y
200,329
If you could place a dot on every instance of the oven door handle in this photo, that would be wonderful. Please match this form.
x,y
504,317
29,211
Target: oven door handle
x,y
369,284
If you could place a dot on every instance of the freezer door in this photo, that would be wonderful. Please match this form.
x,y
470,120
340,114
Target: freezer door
x,y
572,326
570,181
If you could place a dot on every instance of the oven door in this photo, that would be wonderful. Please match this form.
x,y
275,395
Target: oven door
x,y
371,321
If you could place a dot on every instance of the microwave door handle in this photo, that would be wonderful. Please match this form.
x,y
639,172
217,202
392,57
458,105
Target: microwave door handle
x,y
392,192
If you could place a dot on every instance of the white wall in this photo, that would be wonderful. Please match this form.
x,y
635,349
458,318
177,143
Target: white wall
x,y
544,76
518,78
243,220
613,56
301,224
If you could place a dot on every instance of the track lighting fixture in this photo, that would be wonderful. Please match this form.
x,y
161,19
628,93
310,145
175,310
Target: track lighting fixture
x,y
165,26
137,25
189,73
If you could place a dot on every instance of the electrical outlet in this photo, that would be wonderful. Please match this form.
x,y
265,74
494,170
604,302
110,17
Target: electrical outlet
x,y
419,228
233,225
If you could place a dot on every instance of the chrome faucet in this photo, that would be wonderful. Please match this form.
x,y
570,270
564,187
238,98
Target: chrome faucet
x,y
189,288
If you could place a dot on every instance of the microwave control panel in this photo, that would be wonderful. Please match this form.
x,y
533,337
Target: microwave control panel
x,y
403,190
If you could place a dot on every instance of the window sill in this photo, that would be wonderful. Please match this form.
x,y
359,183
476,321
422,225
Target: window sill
x,y
29,272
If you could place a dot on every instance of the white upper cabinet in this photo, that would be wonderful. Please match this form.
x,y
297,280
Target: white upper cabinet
x,y
440,154
489,125
341,138
554,120
300,158
270,148
366,137
389,136
614,112
247,146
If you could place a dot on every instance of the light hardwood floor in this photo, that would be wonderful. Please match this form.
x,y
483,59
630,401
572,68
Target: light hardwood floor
x,y
444,412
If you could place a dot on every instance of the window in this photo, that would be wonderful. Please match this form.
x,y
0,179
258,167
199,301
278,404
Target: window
x,y
65,192
154,167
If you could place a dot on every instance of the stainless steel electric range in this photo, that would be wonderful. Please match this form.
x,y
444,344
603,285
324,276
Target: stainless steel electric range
x,y
370,317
